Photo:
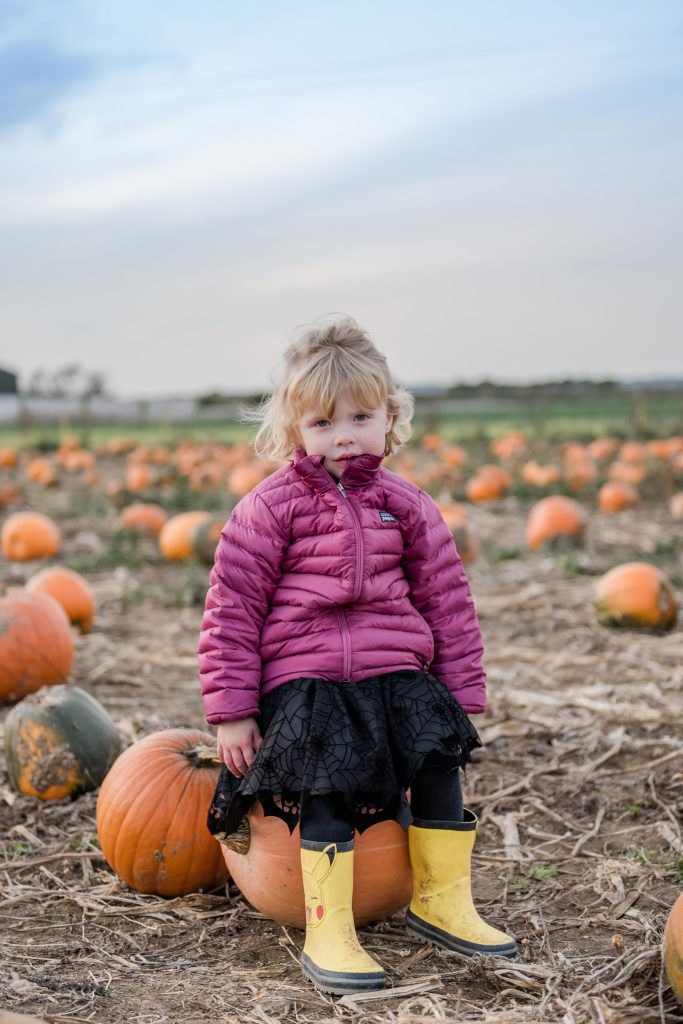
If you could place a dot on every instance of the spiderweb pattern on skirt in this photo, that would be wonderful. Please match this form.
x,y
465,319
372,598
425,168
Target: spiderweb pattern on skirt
x,y
362,742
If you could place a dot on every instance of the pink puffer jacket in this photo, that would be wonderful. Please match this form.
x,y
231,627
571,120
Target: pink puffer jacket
x,y
335,581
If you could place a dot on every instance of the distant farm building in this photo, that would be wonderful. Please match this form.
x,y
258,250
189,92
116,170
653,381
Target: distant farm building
x,y
8,383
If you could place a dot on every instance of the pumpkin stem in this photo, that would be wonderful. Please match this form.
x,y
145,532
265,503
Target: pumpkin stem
x,y
202,756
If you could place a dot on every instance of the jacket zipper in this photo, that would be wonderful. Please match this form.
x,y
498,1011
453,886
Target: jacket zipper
x,y
346,645
358,537
358,584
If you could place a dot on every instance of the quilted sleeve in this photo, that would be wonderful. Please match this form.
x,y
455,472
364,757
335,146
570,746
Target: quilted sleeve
x,y
441,593
245,574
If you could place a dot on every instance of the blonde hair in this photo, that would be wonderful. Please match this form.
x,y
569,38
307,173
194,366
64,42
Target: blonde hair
x,y
326,358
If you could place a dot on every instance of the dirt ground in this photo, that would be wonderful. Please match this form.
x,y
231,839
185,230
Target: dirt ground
x,y
579,791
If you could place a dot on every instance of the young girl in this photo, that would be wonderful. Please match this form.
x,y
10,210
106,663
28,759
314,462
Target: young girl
x,y
340,653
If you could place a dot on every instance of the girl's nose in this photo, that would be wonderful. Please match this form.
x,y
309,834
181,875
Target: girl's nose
x,y
344,436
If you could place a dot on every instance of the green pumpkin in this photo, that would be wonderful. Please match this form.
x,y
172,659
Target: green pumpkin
x,y
59,742
204,537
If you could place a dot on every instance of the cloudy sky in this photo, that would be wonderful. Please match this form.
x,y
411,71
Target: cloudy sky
x,y
492,189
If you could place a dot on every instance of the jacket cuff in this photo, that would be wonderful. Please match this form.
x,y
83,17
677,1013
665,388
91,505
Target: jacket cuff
x,y
236,716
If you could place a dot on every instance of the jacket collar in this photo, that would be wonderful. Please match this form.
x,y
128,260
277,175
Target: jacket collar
x,y
361,470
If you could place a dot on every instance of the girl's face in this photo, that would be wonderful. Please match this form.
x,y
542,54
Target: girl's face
x,y
352,430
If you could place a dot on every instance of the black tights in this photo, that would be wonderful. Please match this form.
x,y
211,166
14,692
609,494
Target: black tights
x,y
435,795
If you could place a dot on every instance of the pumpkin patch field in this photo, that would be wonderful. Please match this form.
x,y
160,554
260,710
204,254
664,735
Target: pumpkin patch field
x,y
115,903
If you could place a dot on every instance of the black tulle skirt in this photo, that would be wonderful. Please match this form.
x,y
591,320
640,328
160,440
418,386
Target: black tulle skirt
x,y
360,742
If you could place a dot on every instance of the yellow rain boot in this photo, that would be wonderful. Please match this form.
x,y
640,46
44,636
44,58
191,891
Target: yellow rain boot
x,y
333,959
441,910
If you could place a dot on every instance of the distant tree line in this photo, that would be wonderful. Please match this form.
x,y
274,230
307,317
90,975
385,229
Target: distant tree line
x,y
545,389
72,381
490,389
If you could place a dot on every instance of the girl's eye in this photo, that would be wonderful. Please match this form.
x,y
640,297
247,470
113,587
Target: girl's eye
x,y
320,423
362,416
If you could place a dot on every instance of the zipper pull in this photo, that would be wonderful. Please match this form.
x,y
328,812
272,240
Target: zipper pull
x,y
339,486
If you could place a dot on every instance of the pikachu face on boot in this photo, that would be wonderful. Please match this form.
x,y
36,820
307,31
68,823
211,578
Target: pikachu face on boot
x,y
333,959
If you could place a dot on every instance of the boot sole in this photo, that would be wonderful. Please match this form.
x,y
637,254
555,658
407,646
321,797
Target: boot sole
x,y
341,982
429,932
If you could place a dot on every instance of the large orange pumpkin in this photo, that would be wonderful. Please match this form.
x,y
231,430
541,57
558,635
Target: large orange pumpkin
x,y
269,873
175,538
28,535
151,814
673,948
554,516
36,644
71,590
636,595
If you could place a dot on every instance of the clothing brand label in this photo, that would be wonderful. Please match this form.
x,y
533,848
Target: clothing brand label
x,y
387,517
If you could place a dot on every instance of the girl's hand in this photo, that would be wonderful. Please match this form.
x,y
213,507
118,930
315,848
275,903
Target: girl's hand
x,y
238,743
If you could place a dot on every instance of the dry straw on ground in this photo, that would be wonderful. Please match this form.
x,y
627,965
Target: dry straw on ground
x,y
579,793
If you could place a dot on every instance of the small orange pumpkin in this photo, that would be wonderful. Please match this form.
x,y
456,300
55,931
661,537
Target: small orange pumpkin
x,y
627,472
71,590
602,448
538,475
243,478
616,496
489,483
579,474
673,948
10,494
36,644
636,595
632,452
269,873
152,810
453,456
175,538
41,471
27,535
144,517
552,517
8,458
139,476
454,514
119,446
466,543
432,442
76,460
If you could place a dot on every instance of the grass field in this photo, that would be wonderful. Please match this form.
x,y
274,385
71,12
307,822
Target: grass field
x,y
640,415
